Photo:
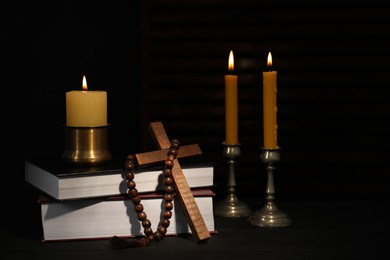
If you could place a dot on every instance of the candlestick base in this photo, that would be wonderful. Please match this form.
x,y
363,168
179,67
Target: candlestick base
x,y
86,145
270,215
231,206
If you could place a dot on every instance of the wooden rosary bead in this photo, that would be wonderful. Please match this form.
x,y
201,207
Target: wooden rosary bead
x,y
167,214
173,151
129,176
138,208
148,231
146,223
141,216
168,197
128,166
131,184
168,205
130,162
133,193
171,157
136,200
167,172
169,163
169,189
144,241
150,237
158,235
162,230
175,143
165,222
168,181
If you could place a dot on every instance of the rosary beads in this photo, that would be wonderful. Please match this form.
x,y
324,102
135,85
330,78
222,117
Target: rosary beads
x,y
132,192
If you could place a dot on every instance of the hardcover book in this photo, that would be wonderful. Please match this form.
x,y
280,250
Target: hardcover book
x,y
62,181
103,218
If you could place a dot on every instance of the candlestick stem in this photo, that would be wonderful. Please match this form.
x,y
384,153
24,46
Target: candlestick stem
x,y
270,215
231,206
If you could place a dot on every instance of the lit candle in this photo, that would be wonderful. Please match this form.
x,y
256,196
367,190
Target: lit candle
x,y
269,106
231,104
86,108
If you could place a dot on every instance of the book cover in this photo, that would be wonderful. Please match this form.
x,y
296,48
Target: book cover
x,y
63,182
102,218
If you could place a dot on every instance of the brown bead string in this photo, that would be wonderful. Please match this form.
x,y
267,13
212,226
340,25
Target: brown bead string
x,y
138,207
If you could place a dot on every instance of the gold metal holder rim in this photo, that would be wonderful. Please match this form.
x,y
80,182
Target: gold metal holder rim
x,y
86,127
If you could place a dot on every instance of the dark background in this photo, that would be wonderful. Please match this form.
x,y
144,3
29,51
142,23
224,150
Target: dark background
x,y
166,60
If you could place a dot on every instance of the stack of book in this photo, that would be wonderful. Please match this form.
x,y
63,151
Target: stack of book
x,y
90,202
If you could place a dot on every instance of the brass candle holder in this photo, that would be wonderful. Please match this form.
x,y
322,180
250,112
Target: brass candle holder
x,y
270,215
86,145
231,206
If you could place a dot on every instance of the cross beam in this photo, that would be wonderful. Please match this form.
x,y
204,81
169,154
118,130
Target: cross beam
x,y
148,158
183,191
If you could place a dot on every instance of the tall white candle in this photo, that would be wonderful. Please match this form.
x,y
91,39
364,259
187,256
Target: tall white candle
x,y
86,108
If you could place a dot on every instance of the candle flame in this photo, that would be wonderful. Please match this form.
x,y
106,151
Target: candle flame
x,y
231,61
269,60
85,83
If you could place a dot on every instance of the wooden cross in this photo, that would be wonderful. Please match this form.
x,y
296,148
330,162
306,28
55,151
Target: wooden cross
x,y
194,217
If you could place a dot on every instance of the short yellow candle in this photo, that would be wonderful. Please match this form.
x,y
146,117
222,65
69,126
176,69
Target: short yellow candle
x,y
231,104
86,108
269,106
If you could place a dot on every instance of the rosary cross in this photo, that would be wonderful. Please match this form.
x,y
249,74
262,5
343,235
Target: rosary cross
x,y
183,191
